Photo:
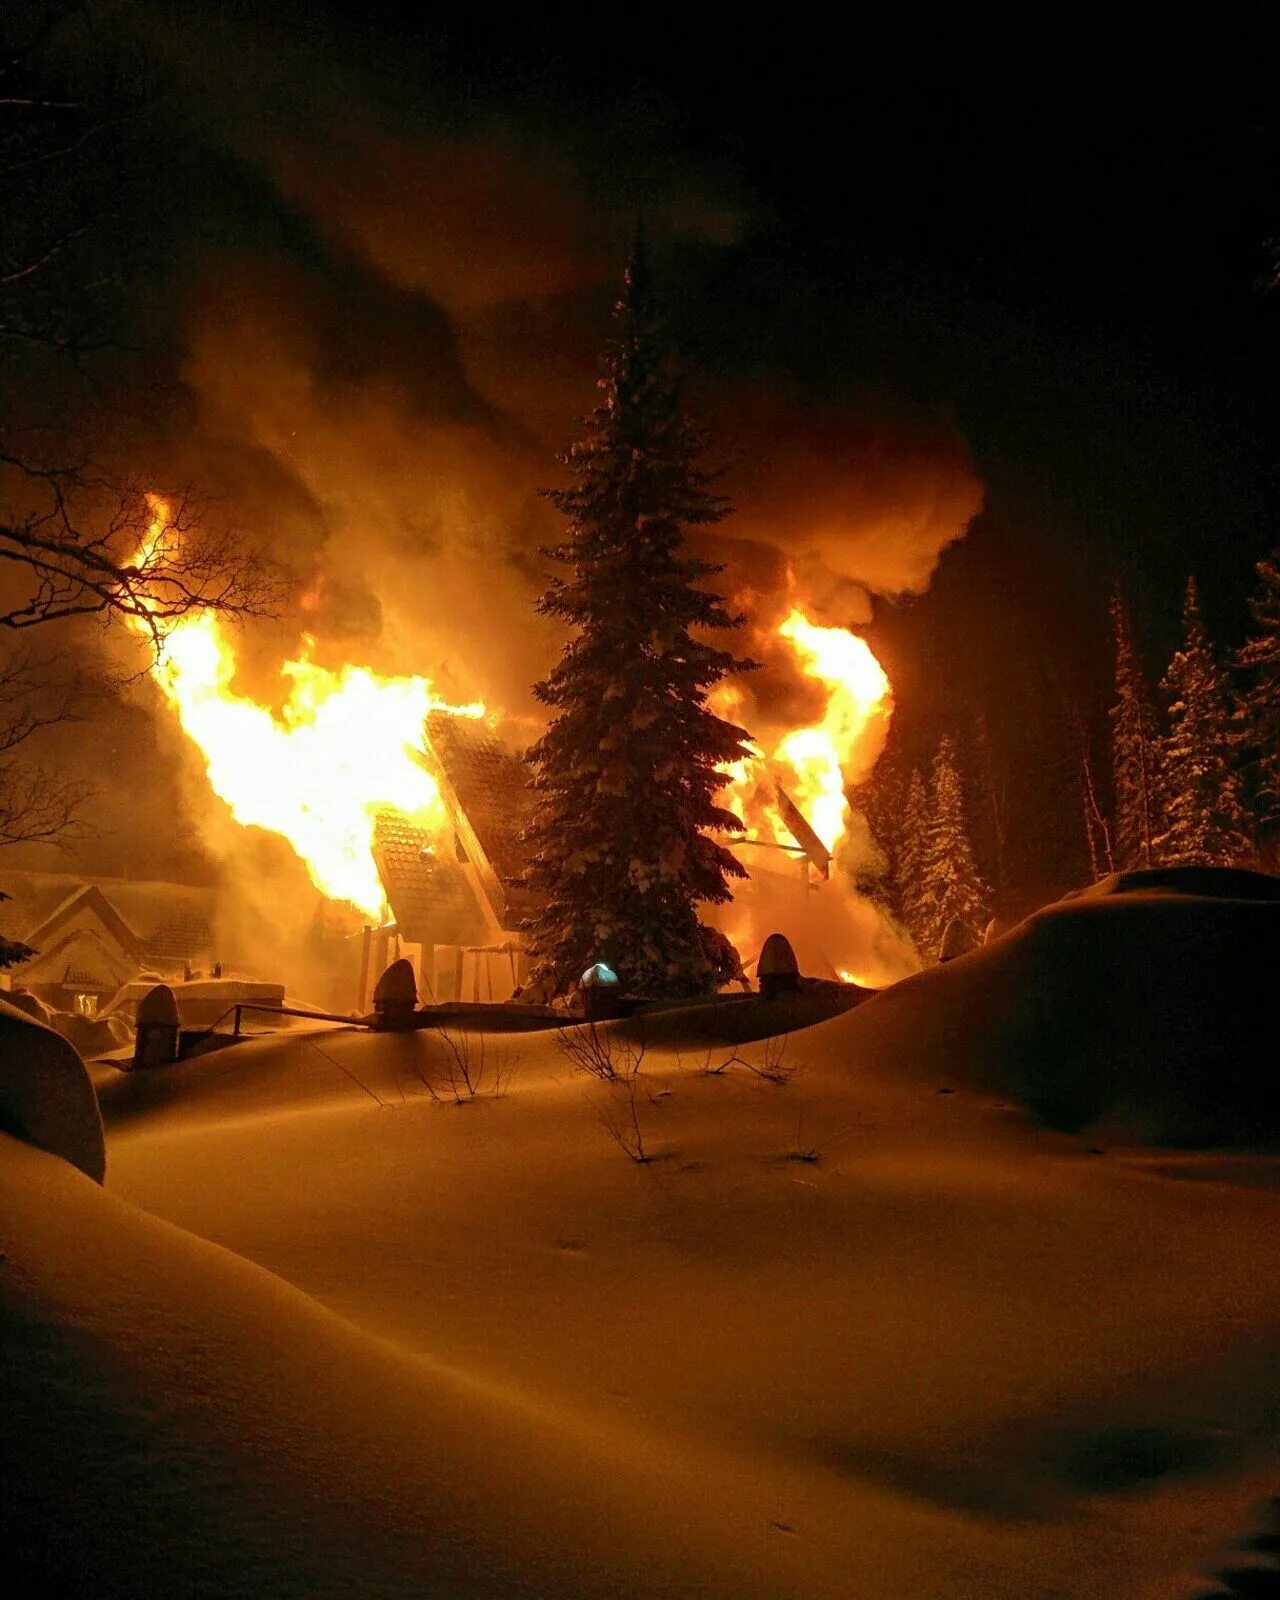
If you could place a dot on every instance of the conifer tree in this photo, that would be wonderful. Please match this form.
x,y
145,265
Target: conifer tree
x,y
880,799
1205,817
1260,658
952,885
626,777
1135,754
909,869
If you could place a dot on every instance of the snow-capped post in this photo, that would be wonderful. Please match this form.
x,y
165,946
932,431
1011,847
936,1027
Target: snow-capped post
x,y
600,992
395,998
627,778
958,938
777,971
155,1042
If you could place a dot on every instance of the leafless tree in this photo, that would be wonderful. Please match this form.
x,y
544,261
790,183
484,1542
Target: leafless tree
x,y
78,537
802,1148
95,548
714,1064
470,1067
620,1117
614,1060
86,539
773,1065
602,1053
37,805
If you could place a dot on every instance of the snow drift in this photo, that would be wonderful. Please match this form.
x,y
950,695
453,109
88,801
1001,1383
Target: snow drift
x,y
1145,1004
46,1097
842,1335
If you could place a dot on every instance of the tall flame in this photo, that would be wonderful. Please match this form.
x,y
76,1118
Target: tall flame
x,y
814,764
834,752
340,750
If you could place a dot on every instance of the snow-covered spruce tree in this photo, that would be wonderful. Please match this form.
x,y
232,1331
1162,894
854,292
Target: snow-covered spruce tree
x,y
1260,658
626,777
1135,754
912,898
952,885
1204,813
880,799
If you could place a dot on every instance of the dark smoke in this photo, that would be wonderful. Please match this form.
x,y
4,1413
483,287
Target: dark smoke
x,y
381,310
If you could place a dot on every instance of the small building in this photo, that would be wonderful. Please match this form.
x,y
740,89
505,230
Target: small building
x,y
92,935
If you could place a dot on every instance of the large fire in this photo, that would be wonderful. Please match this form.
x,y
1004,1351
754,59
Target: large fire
x,y
813,767
318,771
815,764
342,745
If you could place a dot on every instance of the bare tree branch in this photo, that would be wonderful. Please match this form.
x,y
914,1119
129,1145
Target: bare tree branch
x,y
78,538
37,805
140,560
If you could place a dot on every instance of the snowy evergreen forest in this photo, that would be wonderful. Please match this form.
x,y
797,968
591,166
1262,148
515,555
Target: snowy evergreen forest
x,y
1193,779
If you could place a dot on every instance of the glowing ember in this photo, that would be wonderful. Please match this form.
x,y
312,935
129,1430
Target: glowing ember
x,y
339,751
814,764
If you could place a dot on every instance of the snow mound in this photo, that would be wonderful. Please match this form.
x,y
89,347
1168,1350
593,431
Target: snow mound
x,y
180,1422
46,1096
1136,1006
1218,883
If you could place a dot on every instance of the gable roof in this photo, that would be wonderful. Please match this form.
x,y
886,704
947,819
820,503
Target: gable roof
x,y
425,885
81,959
89,900
172,923
485,785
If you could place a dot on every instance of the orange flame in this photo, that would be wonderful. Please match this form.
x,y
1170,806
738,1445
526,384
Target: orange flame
x,y
815,764
340,750
842,747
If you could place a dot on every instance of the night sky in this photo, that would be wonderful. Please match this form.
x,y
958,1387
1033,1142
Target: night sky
x,y
1037,266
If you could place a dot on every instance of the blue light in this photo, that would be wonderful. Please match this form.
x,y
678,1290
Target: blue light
x,y
597,974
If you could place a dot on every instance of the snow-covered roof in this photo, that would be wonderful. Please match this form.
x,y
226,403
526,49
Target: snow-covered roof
x,y
171,923
82,959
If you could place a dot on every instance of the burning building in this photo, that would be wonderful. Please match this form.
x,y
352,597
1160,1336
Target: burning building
x,y
407,810
454,893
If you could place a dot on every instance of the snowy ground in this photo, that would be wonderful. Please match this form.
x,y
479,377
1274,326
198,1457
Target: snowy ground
x,y
311,1344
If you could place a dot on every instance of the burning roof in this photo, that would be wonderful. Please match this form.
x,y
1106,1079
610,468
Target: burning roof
x,y
459,884
486,789
425,884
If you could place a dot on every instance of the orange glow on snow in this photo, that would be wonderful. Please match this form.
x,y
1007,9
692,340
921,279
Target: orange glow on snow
x,y
318,772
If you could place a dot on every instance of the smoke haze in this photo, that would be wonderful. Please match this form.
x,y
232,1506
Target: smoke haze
x,y
381,311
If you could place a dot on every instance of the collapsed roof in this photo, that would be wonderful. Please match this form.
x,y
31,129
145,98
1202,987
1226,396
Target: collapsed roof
x,y
468,890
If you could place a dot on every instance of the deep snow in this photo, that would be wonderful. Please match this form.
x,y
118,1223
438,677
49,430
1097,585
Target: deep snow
x,y
844,1335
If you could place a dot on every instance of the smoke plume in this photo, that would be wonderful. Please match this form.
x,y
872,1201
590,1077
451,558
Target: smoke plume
x,y
384,316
